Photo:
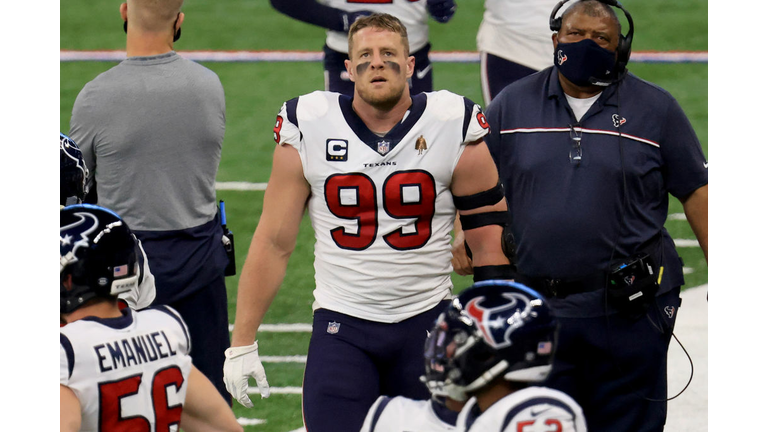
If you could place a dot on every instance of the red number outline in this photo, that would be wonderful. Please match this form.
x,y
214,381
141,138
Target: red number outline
x,y
365,212
395,208
112,392
278,127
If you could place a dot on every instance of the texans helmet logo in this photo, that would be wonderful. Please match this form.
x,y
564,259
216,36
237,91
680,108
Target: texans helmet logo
x,y
491,320
76,237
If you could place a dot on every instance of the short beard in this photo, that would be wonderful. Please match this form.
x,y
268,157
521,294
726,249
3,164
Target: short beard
x,y
382,102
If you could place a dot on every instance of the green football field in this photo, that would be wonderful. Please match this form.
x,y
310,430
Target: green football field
x,y
256,90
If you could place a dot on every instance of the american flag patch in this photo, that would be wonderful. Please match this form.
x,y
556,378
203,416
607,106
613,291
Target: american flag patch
x,y
120,271
544,348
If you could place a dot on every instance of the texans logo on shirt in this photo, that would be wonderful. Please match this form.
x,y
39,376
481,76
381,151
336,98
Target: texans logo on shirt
x,y
492,320
618,120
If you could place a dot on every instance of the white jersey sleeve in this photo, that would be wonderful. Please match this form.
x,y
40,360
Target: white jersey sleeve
x,y
401,414
413,15
144,293
530,409
381,207
128,372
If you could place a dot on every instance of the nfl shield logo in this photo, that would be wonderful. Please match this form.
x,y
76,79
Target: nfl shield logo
x,y
383,147
333,327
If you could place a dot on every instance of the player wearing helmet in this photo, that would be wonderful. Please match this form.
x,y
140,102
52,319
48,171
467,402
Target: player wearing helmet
x,y
73,189
487,351
72,171
122,369
494,343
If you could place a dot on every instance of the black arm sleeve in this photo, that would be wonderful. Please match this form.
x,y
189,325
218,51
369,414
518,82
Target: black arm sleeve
x,y
312,12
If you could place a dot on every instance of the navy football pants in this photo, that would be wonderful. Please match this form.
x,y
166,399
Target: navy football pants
x,y
497,73
612,366
337,80
205,313
346,371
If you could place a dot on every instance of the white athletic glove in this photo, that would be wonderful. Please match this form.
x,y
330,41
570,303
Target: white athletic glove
x,y
240,363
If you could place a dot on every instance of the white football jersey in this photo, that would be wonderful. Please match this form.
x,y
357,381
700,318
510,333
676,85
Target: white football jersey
x,y
128,372
400,414
413,15
144,293
532,409
381,207
518,31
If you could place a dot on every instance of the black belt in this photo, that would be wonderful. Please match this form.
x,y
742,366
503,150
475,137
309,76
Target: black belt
x,y
562,288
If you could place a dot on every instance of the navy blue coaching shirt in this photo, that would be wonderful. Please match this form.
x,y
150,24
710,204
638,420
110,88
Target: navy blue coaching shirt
x,y
568,216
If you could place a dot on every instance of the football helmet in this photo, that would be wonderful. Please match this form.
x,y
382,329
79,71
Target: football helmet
x,y
98,251
494,327
73,172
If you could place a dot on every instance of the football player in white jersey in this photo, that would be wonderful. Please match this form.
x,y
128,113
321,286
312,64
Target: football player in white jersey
x,y
382,174
123,369
73,189
401,414
494,342
338,15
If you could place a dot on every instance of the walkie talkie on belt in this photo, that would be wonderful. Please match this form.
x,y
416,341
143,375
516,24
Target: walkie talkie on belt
x,y
633,284
228,241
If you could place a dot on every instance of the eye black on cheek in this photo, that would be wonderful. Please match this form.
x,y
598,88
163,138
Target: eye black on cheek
x,y
362,67
393,65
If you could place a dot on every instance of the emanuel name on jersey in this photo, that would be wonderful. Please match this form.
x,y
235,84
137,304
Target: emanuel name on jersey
x,y
132,351
378,196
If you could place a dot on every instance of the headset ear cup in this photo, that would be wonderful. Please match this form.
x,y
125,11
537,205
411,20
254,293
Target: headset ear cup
x,y
622,54
555,24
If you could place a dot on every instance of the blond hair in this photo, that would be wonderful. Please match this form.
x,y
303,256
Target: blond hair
x,y
379,21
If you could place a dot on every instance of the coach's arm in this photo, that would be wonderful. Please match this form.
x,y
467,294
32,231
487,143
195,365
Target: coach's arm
x,y
696,211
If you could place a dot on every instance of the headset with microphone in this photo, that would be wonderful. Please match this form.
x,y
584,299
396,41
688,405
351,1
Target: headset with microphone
x,y
624,49
622,58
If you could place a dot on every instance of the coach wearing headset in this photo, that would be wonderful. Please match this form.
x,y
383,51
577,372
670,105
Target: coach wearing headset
x,y
588,154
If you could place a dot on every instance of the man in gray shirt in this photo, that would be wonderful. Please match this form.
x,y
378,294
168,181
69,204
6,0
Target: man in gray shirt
x,y
151,131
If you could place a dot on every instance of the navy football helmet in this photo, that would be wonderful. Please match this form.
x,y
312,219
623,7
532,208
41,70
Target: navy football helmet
x,y
98,251
73,172
494,327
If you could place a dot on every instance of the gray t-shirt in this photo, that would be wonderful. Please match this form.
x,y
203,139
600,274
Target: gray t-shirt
x,y
151,131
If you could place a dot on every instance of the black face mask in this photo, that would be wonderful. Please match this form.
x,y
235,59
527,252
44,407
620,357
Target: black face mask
x,y
176,34
585,63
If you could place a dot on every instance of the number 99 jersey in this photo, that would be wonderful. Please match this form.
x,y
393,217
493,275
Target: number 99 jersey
x,y
130,372
381,206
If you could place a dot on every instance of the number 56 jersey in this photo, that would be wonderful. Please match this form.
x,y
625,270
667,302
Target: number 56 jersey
x,y
130,372
381,206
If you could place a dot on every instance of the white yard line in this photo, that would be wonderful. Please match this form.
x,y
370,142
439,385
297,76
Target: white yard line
x,y
284,359
282,328
686,243
249,421
316,56
277,390
241,186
